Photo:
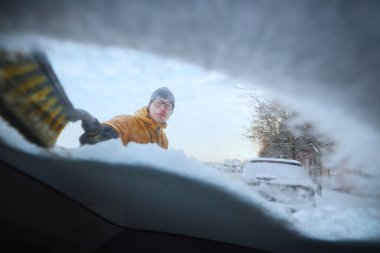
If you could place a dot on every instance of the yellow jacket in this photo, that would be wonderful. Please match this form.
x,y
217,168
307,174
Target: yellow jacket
x,y
140,128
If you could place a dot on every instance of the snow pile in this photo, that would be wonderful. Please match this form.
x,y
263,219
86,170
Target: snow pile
x,y
341,216
331,223
173,161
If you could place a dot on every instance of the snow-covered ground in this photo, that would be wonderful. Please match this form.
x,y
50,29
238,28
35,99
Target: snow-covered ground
x,y
336,216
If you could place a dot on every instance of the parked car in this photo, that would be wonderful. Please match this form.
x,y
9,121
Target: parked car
x,y
281,180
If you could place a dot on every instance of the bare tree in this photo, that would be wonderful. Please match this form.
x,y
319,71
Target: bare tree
x,y
268,128
279,134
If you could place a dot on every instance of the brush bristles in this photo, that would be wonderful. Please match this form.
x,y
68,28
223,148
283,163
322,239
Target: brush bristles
x,y
29,100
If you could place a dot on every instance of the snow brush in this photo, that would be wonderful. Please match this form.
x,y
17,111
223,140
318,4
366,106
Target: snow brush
x,y
32,99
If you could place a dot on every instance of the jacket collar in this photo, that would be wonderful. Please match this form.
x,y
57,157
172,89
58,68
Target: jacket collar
x,y
143,114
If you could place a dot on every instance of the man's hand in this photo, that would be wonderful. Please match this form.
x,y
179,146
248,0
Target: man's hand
x,y
94,132
103,133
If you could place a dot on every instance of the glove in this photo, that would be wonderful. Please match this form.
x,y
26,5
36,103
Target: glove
x,y
102,133
94,132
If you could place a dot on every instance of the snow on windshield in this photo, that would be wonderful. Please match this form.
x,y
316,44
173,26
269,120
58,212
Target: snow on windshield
x,y
324,73
336,216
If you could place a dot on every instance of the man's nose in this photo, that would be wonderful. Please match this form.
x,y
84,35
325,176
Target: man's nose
x,y
162,108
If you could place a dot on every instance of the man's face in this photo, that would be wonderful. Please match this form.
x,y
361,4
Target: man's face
x,y
160,110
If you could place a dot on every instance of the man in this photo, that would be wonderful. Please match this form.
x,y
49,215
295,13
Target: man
x,y
145,126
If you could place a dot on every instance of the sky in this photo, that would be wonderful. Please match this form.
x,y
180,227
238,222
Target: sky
x,y
211,113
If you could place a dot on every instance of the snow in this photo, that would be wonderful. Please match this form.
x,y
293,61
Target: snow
x,y
173,161
337,216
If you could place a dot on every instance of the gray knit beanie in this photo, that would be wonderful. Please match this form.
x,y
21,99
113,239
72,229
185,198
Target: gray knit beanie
x,y
164,93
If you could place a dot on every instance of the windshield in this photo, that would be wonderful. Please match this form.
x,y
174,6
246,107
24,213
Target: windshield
x,y
232,66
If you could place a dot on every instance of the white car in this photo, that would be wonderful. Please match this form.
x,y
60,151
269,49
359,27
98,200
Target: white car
x,y
280,180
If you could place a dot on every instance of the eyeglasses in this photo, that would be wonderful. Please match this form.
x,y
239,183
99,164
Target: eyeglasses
x,y
158,102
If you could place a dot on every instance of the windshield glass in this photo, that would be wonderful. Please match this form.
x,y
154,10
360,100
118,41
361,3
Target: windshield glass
x,y
299,86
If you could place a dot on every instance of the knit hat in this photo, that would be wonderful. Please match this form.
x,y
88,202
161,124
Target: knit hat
x,y
163,93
